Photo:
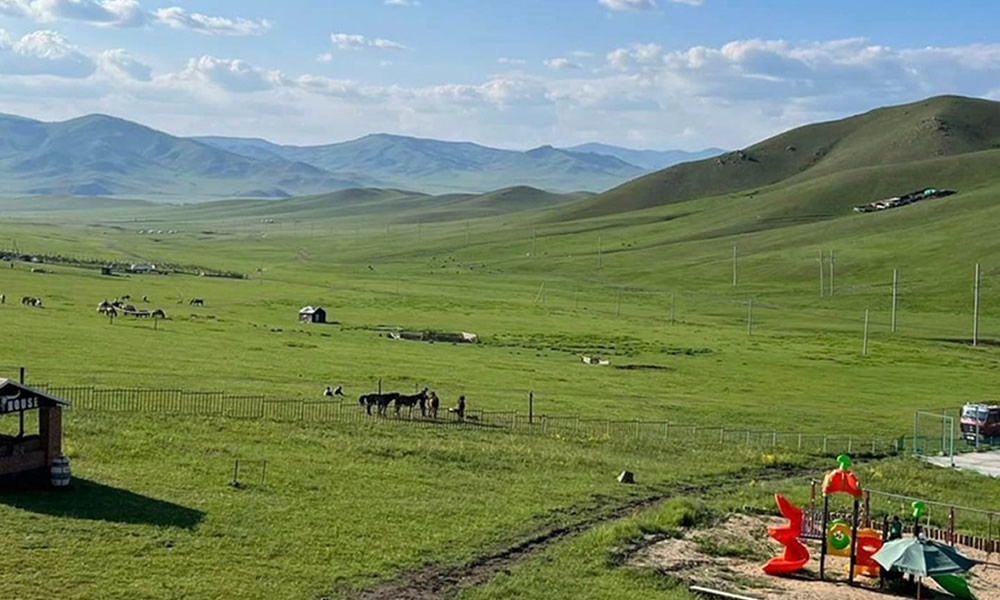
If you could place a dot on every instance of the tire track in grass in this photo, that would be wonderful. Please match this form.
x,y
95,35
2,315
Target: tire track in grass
x,y
435,582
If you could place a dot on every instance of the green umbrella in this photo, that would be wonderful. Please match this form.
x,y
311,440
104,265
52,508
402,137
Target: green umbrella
x,y
923,558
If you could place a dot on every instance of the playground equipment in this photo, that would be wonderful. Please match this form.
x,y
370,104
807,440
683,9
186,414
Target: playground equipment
x,y
869,543
841,537
796,555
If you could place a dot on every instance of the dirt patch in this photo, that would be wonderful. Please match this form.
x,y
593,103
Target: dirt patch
x,y
729,557
439,582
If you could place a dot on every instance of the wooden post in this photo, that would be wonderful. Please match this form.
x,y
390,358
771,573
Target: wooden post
x,y
531,407
21,378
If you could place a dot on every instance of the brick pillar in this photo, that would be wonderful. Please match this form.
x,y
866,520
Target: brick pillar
x,y
50,430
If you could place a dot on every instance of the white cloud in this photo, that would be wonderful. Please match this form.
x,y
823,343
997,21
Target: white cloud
x,y
622,5
43,53
116,13
511,61
118,63
582,54
727,95
560,64
354,41
128,13
324,57
385,63
178,18
232,75
410,3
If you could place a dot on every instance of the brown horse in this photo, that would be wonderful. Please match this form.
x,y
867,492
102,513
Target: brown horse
x,y
434,404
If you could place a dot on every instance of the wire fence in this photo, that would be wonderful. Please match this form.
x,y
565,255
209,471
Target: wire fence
x,y
338,410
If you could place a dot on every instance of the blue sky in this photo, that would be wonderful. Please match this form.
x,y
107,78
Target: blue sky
x,y
514,73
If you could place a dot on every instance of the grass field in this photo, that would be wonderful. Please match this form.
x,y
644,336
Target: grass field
x,y
345,507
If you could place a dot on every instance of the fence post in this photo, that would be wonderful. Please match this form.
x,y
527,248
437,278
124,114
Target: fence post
x,y
748,437
825,444
774,438
850,443
951,525
800,441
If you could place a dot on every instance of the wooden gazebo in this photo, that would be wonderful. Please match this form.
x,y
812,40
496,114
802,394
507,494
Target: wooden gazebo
x,y
29,456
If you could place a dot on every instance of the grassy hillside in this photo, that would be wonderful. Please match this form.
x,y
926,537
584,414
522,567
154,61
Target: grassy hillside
x,y
99,155
436,166
933,128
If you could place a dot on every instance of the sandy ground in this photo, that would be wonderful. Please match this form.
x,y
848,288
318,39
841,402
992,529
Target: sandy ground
x,y
987,463
742,575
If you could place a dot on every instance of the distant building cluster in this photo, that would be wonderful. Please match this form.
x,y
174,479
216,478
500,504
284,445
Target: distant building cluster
x,y
903,200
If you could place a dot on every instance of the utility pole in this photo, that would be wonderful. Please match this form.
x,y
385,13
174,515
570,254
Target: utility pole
x,y
750,317
736,258
975,321
895,295
831,274
822,291
864,347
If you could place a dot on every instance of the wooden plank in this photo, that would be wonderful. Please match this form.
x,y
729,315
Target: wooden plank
x,y
718,593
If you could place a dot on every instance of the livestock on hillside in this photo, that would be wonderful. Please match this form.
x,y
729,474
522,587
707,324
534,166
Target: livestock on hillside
x,y
31,301
197,302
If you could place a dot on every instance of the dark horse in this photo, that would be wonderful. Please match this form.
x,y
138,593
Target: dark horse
x,y
410,400
380,401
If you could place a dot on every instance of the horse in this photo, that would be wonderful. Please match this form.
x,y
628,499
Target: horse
x,y
104,307
410,400
31,301
379,401
434,403
159,314
197,302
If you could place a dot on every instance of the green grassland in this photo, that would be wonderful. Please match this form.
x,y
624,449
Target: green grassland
x,y
347,506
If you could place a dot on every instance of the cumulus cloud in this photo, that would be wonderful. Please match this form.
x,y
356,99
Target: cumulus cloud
x,y
178,18
128,13
560,64
511,61
354,41
116,13
43,53
727,95
410,3
623,5
324,57
232,75
118,63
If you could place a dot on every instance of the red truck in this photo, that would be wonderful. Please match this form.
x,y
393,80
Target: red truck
x,y
981,421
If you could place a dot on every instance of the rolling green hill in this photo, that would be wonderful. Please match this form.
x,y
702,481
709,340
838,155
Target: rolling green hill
x,y
99,155
945,126
436,166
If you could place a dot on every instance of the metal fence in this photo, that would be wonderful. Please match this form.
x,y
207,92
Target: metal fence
x,y
339,410
949,523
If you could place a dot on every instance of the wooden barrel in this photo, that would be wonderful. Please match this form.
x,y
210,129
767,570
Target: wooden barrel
x,y
60,472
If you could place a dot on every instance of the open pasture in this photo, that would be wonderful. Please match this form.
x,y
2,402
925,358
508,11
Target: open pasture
x,y
345,507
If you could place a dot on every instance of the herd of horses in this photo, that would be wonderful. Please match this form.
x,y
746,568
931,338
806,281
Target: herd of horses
x,y
31,301
120,305
427,401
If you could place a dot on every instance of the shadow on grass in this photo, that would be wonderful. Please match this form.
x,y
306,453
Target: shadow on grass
x,y
96,502
968,342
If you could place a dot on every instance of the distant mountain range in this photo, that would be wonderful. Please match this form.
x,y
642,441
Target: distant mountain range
x,y
99,155
651,160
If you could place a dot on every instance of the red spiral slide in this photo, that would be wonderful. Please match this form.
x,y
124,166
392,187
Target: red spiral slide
x,y
796,555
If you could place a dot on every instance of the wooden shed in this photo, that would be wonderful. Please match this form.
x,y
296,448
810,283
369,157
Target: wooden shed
x,y
26,456
312,314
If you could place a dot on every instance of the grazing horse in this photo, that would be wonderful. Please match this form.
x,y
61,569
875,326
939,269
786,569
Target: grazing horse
x,y
197,302
31,301
434,403
159,314
105,307
410,400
